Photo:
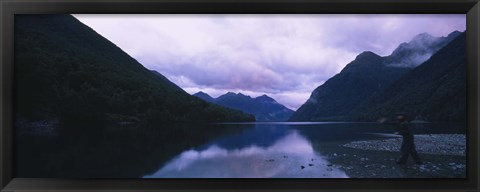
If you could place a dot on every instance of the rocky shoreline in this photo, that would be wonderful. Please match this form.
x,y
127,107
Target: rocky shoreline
x,y
435,144
381,164
443,156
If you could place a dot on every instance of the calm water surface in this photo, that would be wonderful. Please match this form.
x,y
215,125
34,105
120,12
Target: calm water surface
x,y
252,150
279,150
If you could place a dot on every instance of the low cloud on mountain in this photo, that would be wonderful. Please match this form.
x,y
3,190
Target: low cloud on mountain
x,y
283,56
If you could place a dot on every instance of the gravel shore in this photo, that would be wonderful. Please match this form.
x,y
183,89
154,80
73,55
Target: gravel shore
x,y
443,156
381,164
435,144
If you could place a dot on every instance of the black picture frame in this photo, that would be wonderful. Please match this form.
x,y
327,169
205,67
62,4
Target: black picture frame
x,y
8,8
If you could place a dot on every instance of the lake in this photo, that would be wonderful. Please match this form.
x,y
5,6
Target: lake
x,y
234,150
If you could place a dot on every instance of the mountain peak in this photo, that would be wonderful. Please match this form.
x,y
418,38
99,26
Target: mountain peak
x,y
418,50
367,56
233,95
423,37
201,93
453,34
244,96
265,98
204,96
367,53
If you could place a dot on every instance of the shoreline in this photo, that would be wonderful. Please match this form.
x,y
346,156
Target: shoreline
x,y
377,158
434,144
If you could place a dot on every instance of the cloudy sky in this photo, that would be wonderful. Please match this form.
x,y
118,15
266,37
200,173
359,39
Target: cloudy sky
x,y
283,56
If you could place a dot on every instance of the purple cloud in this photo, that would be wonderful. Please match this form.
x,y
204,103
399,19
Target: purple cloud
x,y
283,56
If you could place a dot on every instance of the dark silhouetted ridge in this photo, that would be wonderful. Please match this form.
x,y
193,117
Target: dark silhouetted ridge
x,y
67,71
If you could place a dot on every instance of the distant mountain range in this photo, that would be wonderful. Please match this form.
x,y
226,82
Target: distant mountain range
x,y
66,71
264,108
413,78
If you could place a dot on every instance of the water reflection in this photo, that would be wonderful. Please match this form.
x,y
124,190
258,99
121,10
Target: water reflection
x,y
290,156
111,151
186,150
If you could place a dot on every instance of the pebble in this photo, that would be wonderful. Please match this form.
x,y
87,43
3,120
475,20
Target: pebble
x,y
460,166
440,144
302,167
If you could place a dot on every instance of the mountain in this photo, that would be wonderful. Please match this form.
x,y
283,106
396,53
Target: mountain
x,y
66,71
366,75
418,50
263,107
168,82
436,89
204,97
357,81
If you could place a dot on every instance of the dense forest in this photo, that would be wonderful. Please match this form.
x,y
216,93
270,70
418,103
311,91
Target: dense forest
x,y
65,71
